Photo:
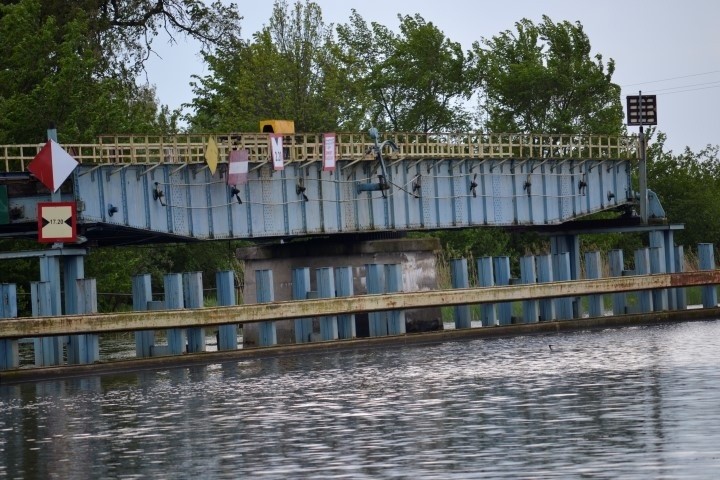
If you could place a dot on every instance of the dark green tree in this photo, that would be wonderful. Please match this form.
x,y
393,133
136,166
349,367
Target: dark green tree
x,y
542,79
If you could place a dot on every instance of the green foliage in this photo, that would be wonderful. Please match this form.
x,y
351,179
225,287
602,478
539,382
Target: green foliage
x,y
415,81
541,79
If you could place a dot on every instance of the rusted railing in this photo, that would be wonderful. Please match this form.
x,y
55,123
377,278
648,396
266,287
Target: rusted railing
x,y
124,149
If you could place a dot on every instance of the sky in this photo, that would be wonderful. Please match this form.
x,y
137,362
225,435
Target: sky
x,y
668,48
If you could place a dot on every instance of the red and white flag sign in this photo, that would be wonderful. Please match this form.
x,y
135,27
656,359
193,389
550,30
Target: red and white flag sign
x,y
238,164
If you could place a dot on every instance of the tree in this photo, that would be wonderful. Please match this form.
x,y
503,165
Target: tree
x,y
284,72
413,81
542,79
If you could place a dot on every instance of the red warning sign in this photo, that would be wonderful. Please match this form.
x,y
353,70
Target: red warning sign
x,y
57,222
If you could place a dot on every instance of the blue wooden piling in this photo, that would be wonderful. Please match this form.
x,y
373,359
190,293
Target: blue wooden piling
x,y
84,348
562,273
300,289
325,281
528,275
141,295
680,294
501,266
9,352
545,275
225,284
706,257
642,267
174,300
48,350
657,265
375,282
593,271
617,265
193,298
50,272
265,293
344,288
486,278
394,284
459,278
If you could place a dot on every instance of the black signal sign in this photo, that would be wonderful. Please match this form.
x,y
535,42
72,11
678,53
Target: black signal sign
x,y
641,110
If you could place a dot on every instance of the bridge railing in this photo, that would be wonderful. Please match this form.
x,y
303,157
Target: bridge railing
x,y
308,147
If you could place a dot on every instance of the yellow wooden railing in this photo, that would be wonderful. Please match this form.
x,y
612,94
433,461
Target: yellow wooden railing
x,y
308,147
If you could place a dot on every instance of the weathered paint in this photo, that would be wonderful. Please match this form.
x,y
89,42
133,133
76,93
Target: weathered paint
x,y
241,314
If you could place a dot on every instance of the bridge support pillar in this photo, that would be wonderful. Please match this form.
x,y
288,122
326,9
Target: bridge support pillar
x,y
486,278
174,299
84,348
679,294
565,307
193,298
265,294
225,284
460,279
570,244
48,350
545,274
528,275
501,265
657,265
9,353
375,277
142,296
394,284
417,258
593,271
665,261
642,267
326,289
617,266
706,254
300,290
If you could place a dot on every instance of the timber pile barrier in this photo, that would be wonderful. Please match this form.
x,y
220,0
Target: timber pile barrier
x,y
308,147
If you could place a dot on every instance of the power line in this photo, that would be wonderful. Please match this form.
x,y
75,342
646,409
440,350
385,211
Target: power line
x,y
671,78
717,83
689,90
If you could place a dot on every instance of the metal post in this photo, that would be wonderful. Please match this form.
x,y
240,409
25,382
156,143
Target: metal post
x,y
486,278
193,298
544,275
501,265
561,273
227,334
593,271
642,267
174,299
375,281
459,278
300,289
48,350
267,334
85,348
9,352
642,170
142,295
706,254
344,288
657,265
326,289
617,265
393,284
528,275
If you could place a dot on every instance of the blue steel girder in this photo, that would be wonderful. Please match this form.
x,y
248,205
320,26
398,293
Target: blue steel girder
x,y
188,201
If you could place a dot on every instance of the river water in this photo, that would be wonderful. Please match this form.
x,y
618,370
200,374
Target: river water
x,y
640,402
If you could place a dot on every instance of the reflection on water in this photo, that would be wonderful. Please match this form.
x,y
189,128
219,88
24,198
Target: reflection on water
x,y
627,403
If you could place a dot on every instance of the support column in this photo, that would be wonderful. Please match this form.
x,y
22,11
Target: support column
x,y
193,298
706,254
569,244
375,280
394,284
9,353
174,300
267,335
48,350
325,280
545,275
344,288
459,279
528,276
562,273
142,295
225,284
617,265
300,289
680,293
501,265
486,278
50,273
657,265
642,267
84,348
593,271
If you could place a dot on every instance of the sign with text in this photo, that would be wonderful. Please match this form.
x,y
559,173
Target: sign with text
x,y
329,152
276,151
57,222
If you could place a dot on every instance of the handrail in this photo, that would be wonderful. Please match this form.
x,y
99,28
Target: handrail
x,y
308,147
